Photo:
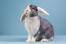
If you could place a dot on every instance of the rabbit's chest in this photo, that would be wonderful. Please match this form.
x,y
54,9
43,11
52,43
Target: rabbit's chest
x,y
32,24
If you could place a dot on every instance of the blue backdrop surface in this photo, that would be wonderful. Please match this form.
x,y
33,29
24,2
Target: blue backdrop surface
x,y
10,12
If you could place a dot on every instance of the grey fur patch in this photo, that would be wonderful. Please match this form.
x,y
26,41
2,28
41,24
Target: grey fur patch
x,y
45,31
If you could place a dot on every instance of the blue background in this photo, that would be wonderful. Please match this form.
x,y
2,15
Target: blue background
x,y
10,12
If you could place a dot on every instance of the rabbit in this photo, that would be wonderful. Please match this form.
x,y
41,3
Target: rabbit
x,y
38,28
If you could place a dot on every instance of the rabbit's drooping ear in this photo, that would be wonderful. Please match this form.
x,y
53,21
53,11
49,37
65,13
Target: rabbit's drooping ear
x,y
22,18
42,11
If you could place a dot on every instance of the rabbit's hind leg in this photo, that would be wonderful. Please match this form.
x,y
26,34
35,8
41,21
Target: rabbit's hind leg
x,y
44,40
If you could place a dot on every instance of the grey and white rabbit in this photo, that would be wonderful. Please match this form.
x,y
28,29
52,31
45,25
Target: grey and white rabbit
x,y
38,28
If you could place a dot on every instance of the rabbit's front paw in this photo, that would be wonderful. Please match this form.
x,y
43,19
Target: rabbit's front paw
x,y
29,41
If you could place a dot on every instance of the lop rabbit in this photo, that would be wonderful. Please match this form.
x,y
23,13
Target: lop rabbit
x,y
38,28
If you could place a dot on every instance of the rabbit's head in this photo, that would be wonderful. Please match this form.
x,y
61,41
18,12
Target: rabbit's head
x,y
31,11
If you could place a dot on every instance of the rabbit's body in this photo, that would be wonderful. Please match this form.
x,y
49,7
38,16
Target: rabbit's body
x,y
32,24
38,28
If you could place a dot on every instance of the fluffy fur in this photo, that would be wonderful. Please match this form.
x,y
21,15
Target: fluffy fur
x,y
38,28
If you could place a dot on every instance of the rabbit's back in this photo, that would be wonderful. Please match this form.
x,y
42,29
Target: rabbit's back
x,y
46,29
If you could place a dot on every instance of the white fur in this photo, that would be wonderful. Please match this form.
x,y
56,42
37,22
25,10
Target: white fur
x,y
32,25
44,40
27,11
42,11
